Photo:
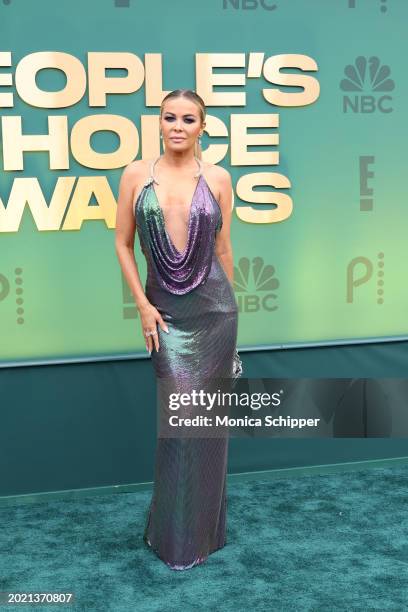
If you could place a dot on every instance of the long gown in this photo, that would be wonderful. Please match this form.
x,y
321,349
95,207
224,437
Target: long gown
x,y
186,519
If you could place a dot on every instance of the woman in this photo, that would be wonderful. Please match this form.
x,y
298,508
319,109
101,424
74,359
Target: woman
x,y
181,209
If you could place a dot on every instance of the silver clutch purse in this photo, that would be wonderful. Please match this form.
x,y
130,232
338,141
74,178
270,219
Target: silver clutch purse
x,y
237,368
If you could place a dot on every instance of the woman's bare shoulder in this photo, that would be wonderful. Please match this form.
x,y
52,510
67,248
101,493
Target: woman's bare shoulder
x,y
217,172
134,176
137,169
218,178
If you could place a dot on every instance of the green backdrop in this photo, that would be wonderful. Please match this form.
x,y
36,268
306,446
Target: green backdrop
x,y
330,273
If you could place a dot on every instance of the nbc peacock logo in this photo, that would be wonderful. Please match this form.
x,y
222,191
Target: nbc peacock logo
x,y
255,285
368,78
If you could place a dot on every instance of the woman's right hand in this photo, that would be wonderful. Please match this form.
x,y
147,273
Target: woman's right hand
x,y
150,317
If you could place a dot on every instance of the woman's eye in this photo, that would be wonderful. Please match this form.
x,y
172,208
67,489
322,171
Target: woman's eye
x,y
188,120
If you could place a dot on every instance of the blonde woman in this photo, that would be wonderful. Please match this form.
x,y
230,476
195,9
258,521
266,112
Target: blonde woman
x,y
181,209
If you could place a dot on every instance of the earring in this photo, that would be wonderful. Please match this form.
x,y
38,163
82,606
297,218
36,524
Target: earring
x,y
161,135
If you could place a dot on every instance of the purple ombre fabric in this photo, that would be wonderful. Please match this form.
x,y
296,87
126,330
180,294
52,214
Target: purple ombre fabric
x,y
186,519
179,272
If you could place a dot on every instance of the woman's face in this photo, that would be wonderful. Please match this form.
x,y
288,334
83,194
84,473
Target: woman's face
x,y
180,124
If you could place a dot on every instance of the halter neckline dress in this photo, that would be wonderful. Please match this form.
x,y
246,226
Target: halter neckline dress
x,y
180,272
186,518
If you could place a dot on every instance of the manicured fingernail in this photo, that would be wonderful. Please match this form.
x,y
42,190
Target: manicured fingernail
x,y
166,329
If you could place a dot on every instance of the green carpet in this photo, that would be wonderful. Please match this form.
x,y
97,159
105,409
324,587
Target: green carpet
x,y
325,542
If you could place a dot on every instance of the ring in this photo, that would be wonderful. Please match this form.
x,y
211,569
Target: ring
x,y
150,333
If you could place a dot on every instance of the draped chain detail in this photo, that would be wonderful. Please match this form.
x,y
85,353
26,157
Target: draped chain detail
x,y
179,272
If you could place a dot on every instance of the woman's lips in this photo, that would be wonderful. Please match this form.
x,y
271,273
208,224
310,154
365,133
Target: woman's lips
x,y
177,138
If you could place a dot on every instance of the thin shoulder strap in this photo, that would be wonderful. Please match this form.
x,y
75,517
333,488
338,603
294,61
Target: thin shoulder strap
x,y
200,167
152,164
146,184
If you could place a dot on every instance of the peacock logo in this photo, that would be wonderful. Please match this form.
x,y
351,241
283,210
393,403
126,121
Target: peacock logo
x,y
255,285
367,75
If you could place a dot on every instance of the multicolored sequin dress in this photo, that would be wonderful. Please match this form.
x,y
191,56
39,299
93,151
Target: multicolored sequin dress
x,y
186,519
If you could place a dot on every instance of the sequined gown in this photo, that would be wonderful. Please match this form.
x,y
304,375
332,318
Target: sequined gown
x,y
186,519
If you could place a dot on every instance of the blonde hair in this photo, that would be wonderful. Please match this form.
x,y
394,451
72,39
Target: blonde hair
x,y
194,97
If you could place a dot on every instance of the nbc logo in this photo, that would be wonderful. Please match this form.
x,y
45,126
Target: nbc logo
x,y
255,285
367,74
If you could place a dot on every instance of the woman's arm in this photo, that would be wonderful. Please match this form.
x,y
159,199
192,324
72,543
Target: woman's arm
x,y
126,229
131,179
223,247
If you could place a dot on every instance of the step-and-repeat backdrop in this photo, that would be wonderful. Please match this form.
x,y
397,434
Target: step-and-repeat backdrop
x,y
306,109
